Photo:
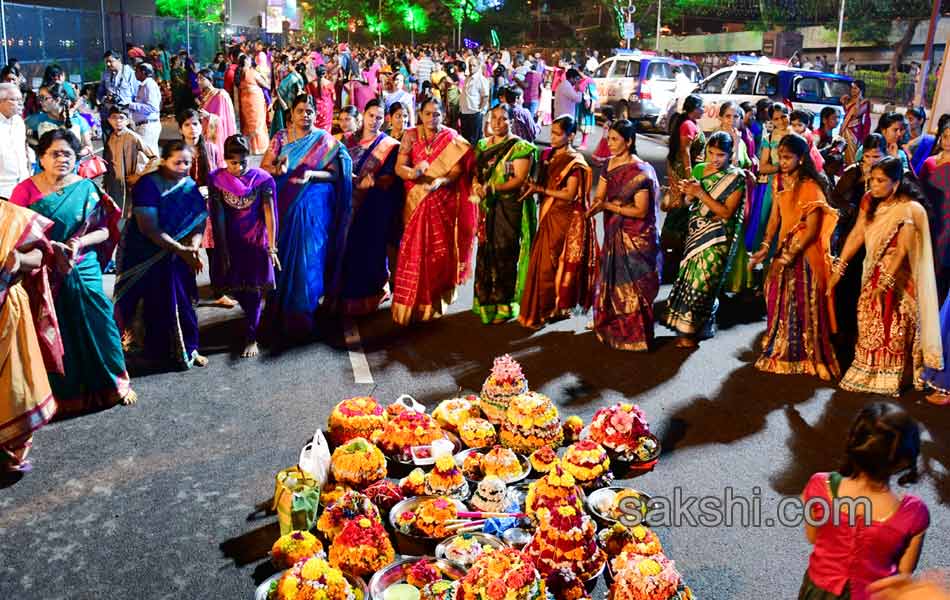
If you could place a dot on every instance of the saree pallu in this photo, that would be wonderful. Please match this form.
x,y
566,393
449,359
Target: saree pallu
x,y
855,126
365,267
761,202
936,184
156,281
324,99
562,272
290,86
29,335
738,273
313,218
800,319
629,265
692,303
436,248
505,233
905,321
939,379
253,114
219,129
239,204
95,375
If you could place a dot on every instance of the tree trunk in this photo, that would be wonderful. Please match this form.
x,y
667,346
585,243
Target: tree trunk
x,y
899,50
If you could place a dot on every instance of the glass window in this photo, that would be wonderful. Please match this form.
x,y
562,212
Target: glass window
x,y
766,85
808,89
743,83
603,69
659,70
820,90
692,72
633,69
716,83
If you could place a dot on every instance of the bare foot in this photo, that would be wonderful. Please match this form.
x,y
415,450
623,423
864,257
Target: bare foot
x,y
589,326
939,399
685,342
250,350
129,399
200,361
225,301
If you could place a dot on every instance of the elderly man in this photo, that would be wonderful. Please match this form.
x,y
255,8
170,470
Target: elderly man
x,y
117,87
146,108
473,102
14,165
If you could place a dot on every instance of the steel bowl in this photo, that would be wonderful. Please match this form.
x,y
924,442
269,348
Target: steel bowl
x,y
525,465
396,573
484,538
359,586
608,519
411,545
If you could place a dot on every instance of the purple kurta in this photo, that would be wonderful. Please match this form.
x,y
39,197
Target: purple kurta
x,y
240,201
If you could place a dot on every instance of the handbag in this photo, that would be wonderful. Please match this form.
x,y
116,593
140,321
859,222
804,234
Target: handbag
x,y
296,500
92,167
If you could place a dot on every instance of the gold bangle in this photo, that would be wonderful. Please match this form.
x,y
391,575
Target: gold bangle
x,y
839,266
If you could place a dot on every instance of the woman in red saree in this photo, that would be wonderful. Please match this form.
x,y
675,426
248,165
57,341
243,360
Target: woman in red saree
x,y
324,97
563,268
857,120
440,219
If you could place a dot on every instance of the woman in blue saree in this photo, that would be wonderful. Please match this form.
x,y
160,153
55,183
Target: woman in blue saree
x,y
83,235
377,200
158,259
313,175
291,86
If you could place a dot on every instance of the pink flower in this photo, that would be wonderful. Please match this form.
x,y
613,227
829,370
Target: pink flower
x,y
497,589
622,421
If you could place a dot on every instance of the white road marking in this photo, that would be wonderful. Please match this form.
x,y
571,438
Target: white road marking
x,y
361,371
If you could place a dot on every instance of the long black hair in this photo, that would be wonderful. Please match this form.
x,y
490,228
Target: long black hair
x,y
942,125
893,169
722,141
800,147
691,103
883,441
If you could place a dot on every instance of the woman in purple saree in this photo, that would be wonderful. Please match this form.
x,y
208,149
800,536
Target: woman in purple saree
x,y
158,259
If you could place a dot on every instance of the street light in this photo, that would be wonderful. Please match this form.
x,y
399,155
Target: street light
x,y
659,12
838,45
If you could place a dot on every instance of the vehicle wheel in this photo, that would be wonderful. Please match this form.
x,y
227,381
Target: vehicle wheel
x,y
622,111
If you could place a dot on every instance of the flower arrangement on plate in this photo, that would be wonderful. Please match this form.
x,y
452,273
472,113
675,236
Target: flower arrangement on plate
x,y
639,577
361,548
588,462
291,548
451,414
351,505
503,575
355,417
505,381
312,579
358,463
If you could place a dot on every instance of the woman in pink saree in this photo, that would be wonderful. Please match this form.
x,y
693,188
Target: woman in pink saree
x,y
324,98
216,110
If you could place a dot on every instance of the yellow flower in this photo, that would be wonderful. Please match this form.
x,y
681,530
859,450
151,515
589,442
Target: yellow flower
x,y
365,523
639,532
445,463
649,567
566,511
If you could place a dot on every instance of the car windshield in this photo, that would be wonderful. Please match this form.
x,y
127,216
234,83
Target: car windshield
x,y
691,71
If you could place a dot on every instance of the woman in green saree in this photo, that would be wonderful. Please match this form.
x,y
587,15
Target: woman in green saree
x,y
290,87
715,192
503,163
84,233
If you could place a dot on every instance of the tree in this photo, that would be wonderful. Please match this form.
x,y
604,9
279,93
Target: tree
x,y
199,10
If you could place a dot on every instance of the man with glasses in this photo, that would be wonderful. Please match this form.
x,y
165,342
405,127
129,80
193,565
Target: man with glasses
x,y
117,88
14,164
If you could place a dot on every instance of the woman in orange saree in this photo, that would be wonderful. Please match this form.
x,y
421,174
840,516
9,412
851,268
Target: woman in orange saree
x,y
252,105
435,252
563,268
29,334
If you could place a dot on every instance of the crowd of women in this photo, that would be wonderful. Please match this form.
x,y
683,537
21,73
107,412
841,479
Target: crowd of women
x,y
341,223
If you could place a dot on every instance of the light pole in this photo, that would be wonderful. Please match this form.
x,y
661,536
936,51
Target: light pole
x,y
921,83
3,29
659,14
379,22
838,45
188,27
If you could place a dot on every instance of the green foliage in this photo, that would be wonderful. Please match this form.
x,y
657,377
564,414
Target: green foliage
x,y
376,24
414,17
462,11
199,10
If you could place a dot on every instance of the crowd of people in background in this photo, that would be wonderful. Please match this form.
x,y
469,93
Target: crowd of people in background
x,y
396,174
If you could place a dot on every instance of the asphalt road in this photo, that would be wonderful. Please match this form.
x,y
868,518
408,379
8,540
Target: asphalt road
x,y
161,500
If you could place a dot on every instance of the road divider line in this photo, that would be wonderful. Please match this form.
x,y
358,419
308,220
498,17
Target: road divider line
x,y
354,346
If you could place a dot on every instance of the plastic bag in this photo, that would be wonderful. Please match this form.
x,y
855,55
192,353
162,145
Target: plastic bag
x,y
315,458
410,403
296,500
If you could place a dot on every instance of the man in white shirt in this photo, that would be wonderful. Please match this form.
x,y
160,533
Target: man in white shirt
x,y
592,62
473,101
566,96
424,67
14,166
146,107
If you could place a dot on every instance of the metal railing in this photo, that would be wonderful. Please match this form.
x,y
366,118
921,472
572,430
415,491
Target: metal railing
x,y
72,38
878,87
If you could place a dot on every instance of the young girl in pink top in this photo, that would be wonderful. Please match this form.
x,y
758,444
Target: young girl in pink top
x,y
853,553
